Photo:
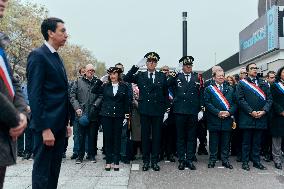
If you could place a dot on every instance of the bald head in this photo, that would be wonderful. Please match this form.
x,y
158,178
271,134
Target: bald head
x,y
90,71
216,69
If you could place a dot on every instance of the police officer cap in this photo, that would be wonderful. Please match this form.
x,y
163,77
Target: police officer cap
x,y
114,70
152,56
186,60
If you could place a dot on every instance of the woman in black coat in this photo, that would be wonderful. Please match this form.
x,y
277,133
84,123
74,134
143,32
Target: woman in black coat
x,y
277,127
115,108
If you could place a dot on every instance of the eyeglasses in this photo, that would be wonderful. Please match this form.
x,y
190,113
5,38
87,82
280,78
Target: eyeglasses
x,y
90,70
253,68
165,70
243,72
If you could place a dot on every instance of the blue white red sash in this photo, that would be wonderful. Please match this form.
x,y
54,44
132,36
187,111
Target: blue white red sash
x,y
220,97
280,86
171,96
4,74
255,89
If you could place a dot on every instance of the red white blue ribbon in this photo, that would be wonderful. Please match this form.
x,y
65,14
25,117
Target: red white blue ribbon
x,y
280,86
220,97
255,89
4,75
171,96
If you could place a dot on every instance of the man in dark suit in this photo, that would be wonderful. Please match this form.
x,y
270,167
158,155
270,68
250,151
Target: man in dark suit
x,y
48,96
220,107
187,104
255,100
153,101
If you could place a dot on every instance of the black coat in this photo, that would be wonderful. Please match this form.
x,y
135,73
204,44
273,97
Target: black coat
x,y
188,97
277,126
213,107
249,102
113,106
153,97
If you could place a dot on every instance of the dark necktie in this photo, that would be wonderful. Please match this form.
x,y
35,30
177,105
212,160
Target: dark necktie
x,y
221,88
186,76
60,61
151,77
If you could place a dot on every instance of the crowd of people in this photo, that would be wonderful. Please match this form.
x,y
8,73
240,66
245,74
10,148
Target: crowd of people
x,y
158,113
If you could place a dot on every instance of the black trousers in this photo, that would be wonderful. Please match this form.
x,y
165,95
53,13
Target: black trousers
x,y
202,133
186,136
47,161
236,142
2,175
112,134
91,131
251,139
217,138
150,129
168,138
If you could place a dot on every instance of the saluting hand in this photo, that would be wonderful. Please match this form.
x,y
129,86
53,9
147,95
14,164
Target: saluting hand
x,y
48,137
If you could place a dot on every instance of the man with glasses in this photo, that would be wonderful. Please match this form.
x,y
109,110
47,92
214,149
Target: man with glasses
x,y
255,100
86,105
152,104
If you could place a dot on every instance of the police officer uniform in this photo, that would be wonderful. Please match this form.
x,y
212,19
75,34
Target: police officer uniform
x,y
152,104
187,103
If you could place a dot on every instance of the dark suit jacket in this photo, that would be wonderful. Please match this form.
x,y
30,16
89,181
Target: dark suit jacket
x,y
113,106
47,90
277,126
249,102
188,95
213,107
153,97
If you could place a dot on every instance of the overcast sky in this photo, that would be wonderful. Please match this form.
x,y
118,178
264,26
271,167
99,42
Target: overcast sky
x,y
124,30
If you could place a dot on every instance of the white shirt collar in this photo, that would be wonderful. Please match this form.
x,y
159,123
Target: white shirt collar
x,y
52,50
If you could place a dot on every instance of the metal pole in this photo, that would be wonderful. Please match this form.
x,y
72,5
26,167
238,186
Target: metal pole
x,y
184,34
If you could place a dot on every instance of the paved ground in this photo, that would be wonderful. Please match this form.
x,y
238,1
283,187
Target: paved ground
x,y
92,175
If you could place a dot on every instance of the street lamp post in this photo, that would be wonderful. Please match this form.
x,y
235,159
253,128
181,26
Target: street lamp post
x,y
184,33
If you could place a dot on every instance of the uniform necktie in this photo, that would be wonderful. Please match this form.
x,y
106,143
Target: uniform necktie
x,y
186,76
151,77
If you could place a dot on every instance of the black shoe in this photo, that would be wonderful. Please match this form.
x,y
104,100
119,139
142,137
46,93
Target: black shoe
x,y
211,165
239,159
155,167
21,154
227,165
171,158
74,156
190,165
181,165
93,159
278,165
27,156
245,166
259,166
145,167
202,150
79,160
267,158
64,155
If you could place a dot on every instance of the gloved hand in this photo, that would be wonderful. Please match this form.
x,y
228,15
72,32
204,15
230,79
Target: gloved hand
x,y
200,115
104,78
142,62
166,115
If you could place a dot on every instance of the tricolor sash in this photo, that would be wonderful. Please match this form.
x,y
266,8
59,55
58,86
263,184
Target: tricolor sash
x,y
171,96
4,74
280,86
255,89
220,97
